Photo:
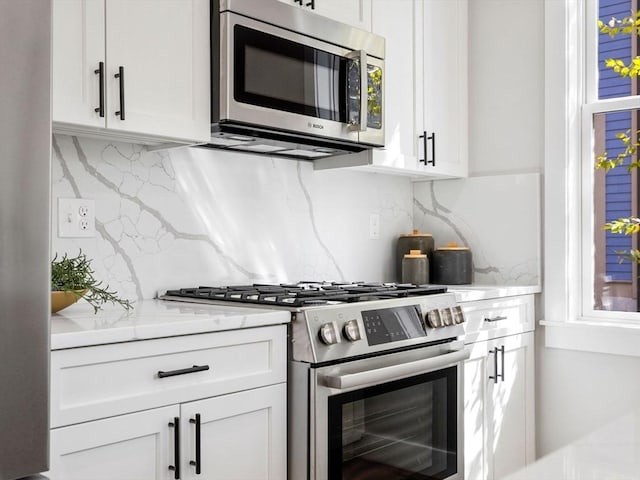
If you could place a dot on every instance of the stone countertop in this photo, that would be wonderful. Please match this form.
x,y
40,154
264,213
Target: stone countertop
x,y
77,326
610,452
470,293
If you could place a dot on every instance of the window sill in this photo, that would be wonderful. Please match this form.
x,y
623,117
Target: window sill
x,y
595,336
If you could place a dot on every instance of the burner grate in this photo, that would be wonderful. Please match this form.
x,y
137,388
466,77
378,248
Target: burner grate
x,y
306,293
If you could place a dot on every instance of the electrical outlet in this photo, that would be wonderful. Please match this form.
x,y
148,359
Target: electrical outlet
x,y
76,218
374,226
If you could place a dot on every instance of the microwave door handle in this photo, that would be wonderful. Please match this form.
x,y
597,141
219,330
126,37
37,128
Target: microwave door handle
x,y
361,55
393,372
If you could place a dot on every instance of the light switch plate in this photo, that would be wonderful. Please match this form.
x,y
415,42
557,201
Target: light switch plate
x,y
76,218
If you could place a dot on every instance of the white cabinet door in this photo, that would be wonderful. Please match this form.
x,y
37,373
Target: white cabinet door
x,y
163,46
476,386
441,86
399,115
512,407
353,12
78,48
499,416
243,435
128,447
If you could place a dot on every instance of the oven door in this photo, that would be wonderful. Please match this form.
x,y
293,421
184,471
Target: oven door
x,y
397,416
290,82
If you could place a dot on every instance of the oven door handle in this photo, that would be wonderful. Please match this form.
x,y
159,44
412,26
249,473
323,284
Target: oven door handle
x,y
393,372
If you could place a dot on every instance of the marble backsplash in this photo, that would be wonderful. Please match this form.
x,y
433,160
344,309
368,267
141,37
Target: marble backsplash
x,y
192,216
497,217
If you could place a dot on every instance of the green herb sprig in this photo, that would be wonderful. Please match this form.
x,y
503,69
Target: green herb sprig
x,y
73,274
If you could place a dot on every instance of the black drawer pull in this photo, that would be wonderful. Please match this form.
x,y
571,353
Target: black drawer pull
x,y
183,371
495,319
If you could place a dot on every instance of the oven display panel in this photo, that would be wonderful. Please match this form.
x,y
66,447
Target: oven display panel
x,y
393,324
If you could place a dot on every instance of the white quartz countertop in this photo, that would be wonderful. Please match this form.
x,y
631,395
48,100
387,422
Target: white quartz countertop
x,y
470,293
612,452
78,326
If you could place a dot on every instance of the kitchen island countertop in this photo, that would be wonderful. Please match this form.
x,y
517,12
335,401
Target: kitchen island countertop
x,y
77,326
610,452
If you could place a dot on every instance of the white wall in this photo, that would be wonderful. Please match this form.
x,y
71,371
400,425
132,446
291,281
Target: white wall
x,y
576,391
506,93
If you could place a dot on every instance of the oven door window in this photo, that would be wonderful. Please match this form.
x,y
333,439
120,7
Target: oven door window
x,y
277,73
406,429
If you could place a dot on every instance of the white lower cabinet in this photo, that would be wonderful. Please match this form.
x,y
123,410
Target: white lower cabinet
x,y
209,406
498,407
128,447
242,436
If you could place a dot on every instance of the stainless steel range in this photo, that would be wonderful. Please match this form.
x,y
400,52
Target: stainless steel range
x,y
375,377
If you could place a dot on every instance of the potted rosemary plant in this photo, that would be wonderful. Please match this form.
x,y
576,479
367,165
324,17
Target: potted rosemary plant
x,y
72,279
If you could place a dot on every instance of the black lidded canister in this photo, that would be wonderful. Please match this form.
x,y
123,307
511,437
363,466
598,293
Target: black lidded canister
x,y
451,265
412,241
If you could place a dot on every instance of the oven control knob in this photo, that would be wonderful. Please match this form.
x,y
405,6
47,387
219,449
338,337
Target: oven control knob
x,y
329,333
351,331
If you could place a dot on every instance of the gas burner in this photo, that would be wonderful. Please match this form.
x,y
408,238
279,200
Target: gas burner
x,y
305,293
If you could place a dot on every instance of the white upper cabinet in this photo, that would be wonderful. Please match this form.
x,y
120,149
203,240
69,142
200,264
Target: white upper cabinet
x,y
442,86
399,110
161,48
78,43
353,12
425,88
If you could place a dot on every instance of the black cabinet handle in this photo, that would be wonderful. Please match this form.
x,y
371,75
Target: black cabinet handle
x,y
425,139
183,371
310,3
100,73
433,150
197,462
175,468
495,375
120,76
424,147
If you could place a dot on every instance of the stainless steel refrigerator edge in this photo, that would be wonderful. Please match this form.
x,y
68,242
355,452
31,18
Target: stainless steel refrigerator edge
x,y
25,185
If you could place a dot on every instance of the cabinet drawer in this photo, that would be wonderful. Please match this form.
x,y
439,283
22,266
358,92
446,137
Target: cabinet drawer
x,y
486,319
98,382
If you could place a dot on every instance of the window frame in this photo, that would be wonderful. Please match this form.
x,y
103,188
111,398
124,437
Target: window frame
x,y
570,103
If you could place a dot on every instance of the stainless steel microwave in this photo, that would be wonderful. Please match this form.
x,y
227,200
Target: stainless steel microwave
x,y
289,82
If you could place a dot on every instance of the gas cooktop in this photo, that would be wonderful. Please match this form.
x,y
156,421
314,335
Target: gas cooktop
x,y
302,294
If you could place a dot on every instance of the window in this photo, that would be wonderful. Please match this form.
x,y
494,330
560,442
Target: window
x,y
609,194
590,298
